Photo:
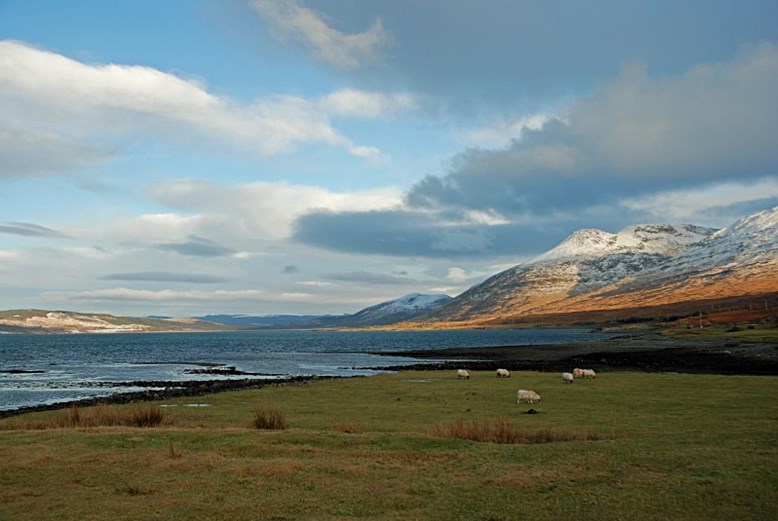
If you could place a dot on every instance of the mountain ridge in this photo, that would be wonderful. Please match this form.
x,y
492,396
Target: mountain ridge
x,y
642,265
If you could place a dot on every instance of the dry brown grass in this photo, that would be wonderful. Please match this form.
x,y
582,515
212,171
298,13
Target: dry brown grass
x,y
97,416
502,430
149,417
348,427
269,418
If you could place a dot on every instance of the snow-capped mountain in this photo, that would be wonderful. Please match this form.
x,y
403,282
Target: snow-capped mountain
x,y
737,260
661,239
640,265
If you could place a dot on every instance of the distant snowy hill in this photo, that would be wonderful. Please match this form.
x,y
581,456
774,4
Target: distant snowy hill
x,y
641,265
409,307
265,321
44,321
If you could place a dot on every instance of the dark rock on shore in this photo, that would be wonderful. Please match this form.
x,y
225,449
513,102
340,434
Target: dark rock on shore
x,y
650,353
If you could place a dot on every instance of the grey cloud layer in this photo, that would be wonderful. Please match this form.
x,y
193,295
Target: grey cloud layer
x,y
197,247
30,230
164,276
409,234
636,136
448,47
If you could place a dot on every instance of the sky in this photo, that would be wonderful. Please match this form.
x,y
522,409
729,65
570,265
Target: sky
x,y
191,157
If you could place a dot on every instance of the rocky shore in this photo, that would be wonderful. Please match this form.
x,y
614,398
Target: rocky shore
x,y
645,352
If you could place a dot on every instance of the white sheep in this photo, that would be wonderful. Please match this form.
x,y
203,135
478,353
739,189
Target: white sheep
x,y
524,395
589,373
578,372
503,373
567,378
462,373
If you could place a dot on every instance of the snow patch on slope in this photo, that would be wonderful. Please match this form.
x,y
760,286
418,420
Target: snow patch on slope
x,y
664,239
414,302
397,310
752,240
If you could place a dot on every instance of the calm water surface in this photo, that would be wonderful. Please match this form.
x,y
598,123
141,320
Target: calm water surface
x,y
43,369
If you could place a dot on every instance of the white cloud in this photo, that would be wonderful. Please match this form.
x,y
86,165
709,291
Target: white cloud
x,y
296,295
486,217
20,152
163,295
315,283
357,103
147,229
713,120
694,203
264,209
58,111
344,50
502,132
456,274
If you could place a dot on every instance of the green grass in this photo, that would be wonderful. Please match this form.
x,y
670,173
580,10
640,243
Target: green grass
x,y
624,446
758,333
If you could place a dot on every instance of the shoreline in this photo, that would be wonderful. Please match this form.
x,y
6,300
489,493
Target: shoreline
x,y
639,353
166,390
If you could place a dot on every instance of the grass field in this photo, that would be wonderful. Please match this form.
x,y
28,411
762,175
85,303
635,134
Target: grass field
x,y
642,446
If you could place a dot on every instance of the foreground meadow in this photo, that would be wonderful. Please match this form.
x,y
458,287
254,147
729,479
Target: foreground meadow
x,y
624,446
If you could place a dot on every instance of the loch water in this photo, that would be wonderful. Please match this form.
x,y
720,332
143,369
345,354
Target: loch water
x,y
37,369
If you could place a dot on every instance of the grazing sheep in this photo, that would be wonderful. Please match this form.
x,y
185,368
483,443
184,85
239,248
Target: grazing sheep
x,y
461,373
578,372
503,373
589,373
524,395
567,378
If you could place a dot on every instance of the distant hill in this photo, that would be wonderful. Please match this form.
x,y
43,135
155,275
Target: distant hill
x,y
42,321
267,321
409,307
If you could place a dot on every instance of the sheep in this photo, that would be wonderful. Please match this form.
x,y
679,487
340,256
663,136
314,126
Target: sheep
x,y
503,373
524,395
589,373
578,372
567,378
462,373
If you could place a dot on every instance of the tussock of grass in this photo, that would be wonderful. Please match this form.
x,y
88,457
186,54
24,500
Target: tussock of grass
x,y
148,417
269,418
502,430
